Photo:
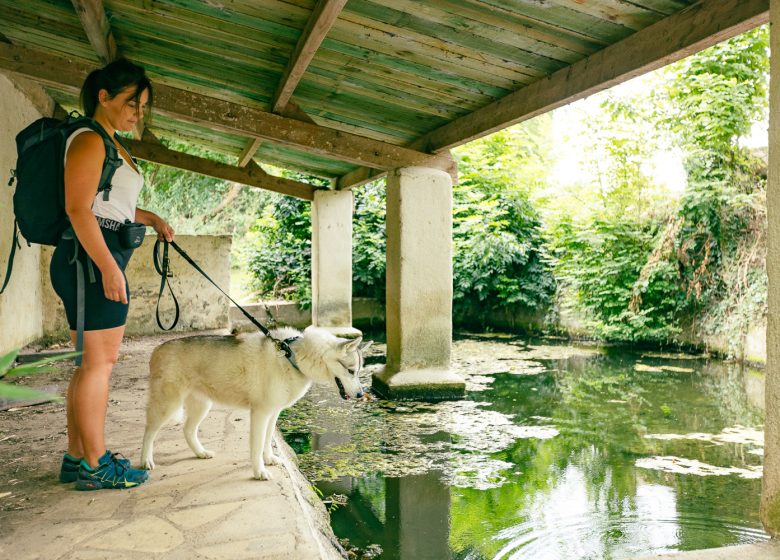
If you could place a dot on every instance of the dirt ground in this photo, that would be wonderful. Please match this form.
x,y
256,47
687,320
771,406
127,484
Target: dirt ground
x,y
33,438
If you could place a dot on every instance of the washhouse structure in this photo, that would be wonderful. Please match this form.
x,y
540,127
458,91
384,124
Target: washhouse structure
x,y
352,90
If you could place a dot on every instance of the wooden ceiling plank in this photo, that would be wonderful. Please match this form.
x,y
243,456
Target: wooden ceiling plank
x,y
252,175
374,114
463,33
671,39
398,49
323,16
95,23
303,164
430,86
383,93
555,16
336,122
36,39
630,15
281,22
134,44
446,73
226,43
232,117
213,43
508,25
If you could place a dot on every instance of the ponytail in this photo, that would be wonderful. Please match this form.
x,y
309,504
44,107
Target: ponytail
x,y
114,78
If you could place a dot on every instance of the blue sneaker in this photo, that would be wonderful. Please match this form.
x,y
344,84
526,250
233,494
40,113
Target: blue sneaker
x,y
110,473
69,471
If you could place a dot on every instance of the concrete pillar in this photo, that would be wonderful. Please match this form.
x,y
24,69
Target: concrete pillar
x,y
770,495
419,287
331,261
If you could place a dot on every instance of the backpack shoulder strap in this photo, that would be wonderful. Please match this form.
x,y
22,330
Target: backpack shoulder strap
x,y
113,160
14,244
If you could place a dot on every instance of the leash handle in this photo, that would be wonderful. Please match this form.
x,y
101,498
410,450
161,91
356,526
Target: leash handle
x,y
163,270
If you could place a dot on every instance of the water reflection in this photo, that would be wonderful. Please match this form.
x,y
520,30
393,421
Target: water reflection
x,y
558,453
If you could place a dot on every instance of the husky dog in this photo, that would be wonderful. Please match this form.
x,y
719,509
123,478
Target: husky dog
x,y
247,372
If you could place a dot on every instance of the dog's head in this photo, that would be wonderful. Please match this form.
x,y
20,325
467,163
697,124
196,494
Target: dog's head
x,y
343,360
347,377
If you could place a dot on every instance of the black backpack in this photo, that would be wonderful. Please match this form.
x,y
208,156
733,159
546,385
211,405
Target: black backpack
x,y
39,199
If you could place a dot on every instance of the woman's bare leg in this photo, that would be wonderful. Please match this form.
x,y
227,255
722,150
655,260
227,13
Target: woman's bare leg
x,y
88,394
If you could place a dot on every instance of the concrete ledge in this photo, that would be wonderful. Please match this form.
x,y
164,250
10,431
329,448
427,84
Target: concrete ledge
x,y
286,313
418,384
344,332
762,551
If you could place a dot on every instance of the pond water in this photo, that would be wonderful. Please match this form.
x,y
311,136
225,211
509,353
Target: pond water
x,y
558,452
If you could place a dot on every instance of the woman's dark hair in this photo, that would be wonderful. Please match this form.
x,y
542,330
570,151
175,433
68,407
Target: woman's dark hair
x,y
114,78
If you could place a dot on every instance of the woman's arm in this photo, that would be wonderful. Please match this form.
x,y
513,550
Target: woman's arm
x,y
83,168
163,229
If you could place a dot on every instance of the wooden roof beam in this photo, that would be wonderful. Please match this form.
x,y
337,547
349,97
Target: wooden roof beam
x,y
151,149
673,38
232,117
98,30
322,18
249,152
95,23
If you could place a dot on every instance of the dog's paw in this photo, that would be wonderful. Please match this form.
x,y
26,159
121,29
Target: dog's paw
x,y
262,474
204,454
147,464
271,459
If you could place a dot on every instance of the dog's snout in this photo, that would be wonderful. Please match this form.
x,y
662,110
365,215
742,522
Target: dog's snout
x,y
359,394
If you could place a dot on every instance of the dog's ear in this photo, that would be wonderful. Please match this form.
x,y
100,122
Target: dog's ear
x,y
351,346
366,346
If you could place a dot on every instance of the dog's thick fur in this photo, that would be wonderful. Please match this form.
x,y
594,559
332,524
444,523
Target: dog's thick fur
x,y
245,372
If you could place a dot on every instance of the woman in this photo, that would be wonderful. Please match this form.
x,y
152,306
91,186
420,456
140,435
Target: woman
x,y
115,97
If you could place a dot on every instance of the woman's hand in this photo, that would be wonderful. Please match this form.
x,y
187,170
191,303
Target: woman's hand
x,y
114,285
163,229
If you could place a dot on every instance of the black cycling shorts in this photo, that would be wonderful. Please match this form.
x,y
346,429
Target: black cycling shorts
x,y
100,313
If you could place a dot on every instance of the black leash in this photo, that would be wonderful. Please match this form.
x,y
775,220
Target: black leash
x,y
162,266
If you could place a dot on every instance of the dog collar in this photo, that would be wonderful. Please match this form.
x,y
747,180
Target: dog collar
x,y
291,357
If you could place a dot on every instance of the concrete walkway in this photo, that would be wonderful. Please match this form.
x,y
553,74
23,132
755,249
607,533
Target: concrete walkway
x,y
190,508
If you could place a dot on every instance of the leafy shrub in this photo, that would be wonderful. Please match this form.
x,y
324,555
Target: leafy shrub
x,y
604,263
279,257
369,242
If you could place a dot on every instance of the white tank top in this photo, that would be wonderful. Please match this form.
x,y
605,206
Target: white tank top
x,y
125,187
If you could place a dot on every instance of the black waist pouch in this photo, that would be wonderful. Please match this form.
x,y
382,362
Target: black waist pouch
x,y
131,235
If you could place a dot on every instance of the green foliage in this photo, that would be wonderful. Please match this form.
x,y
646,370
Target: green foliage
x,y
602,262
368,247
636,266
279,257
278,254
499,260
714,98
10,391
198,205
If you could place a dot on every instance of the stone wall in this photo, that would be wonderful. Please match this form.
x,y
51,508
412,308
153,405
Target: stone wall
x,y
21,303
748,347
